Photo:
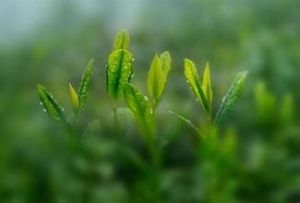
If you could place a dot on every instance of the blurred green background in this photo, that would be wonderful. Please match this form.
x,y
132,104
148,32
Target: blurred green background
x,y
257,155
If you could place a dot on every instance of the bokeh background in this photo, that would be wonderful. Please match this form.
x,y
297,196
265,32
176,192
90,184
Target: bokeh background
x,y
257,155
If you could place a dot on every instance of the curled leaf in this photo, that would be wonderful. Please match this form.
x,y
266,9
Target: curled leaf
x,y
166,61
74,98
52,108
157,76
156,81
207,87
193,80
232,95
141,108
118,72
121,40
85,84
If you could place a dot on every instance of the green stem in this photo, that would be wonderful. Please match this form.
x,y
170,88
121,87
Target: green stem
x,y
116,120
154,165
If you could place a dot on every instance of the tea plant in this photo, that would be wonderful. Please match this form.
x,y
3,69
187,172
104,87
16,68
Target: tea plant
x,y
118,75
119,71
56,111
204,95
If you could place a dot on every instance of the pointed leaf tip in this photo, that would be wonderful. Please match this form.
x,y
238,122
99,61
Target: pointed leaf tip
x,y
206,86
193,80
121,40
74,98
85,84
232,95
166,61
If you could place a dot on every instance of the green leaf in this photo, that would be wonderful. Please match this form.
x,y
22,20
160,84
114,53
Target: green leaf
x,y
141,109
207,87
157,76
74,98
193,80
121,40
188,122
166,61
232,95
85,84
53,109
156,81
118,72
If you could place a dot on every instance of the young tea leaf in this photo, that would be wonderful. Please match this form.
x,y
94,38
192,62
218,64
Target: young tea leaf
x,y
232,95
74,98
206,86
85,84
53,109
121,40
166,61
141,108
156,81
193,80
118,72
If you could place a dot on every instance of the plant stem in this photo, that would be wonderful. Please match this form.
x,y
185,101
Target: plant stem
x,y
155,170
116,120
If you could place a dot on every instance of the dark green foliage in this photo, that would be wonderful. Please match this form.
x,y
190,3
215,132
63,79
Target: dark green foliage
x,y
51,107
140,107
231,96
85,84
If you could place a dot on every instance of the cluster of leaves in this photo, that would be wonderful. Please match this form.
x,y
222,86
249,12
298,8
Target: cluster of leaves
x,y
118,76
56,111
204,94
119,72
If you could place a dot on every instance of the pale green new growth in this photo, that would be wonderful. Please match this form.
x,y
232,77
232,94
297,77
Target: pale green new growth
x,y
166,61
85,84
118,72
53,109
121,40
193,80
140,107
157,76
232,95
207,87
74,98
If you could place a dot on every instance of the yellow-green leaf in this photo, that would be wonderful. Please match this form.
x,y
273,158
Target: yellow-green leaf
x,y
118,72
121,40
232,95
85,84
74,98
166,61
193,80
51,107
156,81
206,86
141,108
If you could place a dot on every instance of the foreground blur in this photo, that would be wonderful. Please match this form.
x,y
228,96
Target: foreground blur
x,y
255,157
